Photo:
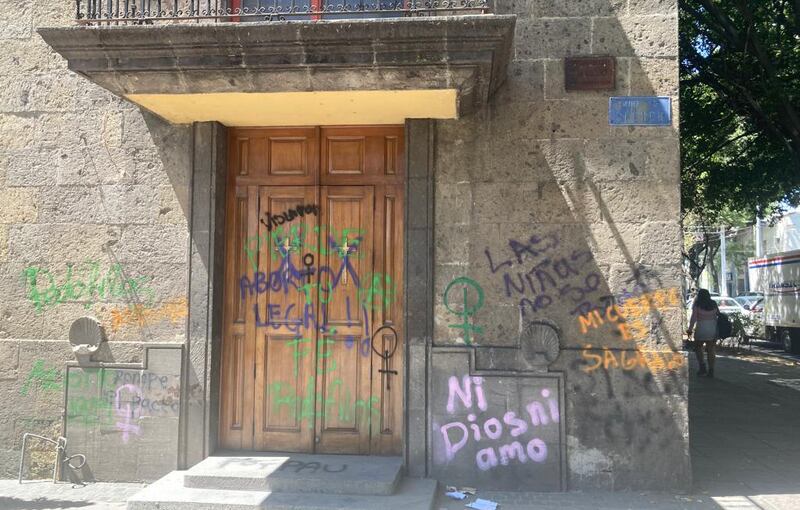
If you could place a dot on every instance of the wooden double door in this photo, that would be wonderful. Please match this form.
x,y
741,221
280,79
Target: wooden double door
x,y
312,355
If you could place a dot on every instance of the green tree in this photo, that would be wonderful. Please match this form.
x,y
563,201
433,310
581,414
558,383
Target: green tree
x,y
701,240
740,106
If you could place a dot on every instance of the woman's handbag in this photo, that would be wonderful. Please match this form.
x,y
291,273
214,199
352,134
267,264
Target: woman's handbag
x,y
724,326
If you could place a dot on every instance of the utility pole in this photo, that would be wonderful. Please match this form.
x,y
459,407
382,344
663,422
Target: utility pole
x,y
759,238
723,263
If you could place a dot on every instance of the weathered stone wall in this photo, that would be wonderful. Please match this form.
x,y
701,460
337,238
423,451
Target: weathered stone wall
x,y
552,215
542,213
94,197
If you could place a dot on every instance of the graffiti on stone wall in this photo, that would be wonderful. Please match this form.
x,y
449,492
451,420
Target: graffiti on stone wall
x,y
629,316
86,283
464,304
538,277
141,315
630,319
41,378
513,437
107,396
116,398
654,361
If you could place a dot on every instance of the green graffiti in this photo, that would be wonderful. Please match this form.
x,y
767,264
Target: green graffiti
x,y
90,378
85,283
90,411
297,353
47,379
322,240
377,288
301,348
325,292
466,310
336,401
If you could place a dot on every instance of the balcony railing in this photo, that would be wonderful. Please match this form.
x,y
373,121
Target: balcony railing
x,y
144,12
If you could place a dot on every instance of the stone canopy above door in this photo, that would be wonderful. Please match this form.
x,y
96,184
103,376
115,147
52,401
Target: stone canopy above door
x,y
361,71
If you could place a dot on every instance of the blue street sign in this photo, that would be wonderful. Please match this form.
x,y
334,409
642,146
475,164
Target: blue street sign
x,y
639,111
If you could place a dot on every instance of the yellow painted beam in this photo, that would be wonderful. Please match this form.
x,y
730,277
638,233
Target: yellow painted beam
x,y
302,108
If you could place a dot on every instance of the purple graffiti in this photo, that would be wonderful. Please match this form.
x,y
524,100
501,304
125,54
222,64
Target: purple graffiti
x,y
465,393
458,435
537,277
127,412
299,319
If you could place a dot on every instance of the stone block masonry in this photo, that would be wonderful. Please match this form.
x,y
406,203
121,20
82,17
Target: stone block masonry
x,y
552,214
542,260
93,202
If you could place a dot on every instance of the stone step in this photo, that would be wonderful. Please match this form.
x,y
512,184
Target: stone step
x,y
169,493
298,473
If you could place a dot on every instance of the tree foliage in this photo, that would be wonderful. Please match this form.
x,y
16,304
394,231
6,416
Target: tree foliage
x,y
701,240
740,106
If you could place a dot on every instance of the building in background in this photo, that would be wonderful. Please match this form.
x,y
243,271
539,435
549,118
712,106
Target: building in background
x,y
422,233
741,244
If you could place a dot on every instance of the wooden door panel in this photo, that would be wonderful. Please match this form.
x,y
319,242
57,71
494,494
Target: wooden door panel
x,y
287,398
344,368
286,331
238,348
305,292
362,155
276,156
345,155
345,405
382,294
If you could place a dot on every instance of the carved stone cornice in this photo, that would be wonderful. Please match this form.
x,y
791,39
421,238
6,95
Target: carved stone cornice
x,y
468,53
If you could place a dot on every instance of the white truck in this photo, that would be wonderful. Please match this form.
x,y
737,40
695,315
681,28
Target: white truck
x,y
778,276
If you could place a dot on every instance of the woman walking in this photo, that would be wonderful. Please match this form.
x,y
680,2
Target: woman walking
x,y
704,316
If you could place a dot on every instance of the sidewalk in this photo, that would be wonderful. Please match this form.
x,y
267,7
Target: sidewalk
x,y
44,494
745,443
745,431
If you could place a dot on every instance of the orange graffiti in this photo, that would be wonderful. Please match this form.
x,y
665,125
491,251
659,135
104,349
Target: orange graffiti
x,y
629,316
141,315
655,361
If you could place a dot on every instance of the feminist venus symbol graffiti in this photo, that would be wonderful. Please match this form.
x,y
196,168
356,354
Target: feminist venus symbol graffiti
x,y
466,309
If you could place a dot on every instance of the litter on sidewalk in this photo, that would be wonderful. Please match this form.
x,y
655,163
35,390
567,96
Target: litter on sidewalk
x,y
482,504
471,491
455,495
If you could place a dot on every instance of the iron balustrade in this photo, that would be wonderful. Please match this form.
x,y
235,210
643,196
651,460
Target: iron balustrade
x,y
92,12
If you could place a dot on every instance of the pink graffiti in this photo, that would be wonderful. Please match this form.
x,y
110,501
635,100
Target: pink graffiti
x,y
465,393
536,450
450,449
126,413
456,435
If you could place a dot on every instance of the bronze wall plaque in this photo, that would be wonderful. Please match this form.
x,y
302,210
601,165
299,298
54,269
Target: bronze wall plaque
x,y
590,73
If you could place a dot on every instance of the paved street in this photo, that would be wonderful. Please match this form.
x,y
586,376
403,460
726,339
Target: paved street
x,y
744,440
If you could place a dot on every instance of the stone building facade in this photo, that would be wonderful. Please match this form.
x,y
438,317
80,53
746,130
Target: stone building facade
x,y
530,273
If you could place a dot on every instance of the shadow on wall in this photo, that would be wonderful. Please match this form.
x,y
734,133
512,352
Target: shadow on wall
x,y
110,240
155,256
544,212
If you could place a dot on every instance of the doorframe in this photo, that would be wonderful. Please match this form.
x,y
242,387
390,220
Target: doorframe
x,y
200,386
